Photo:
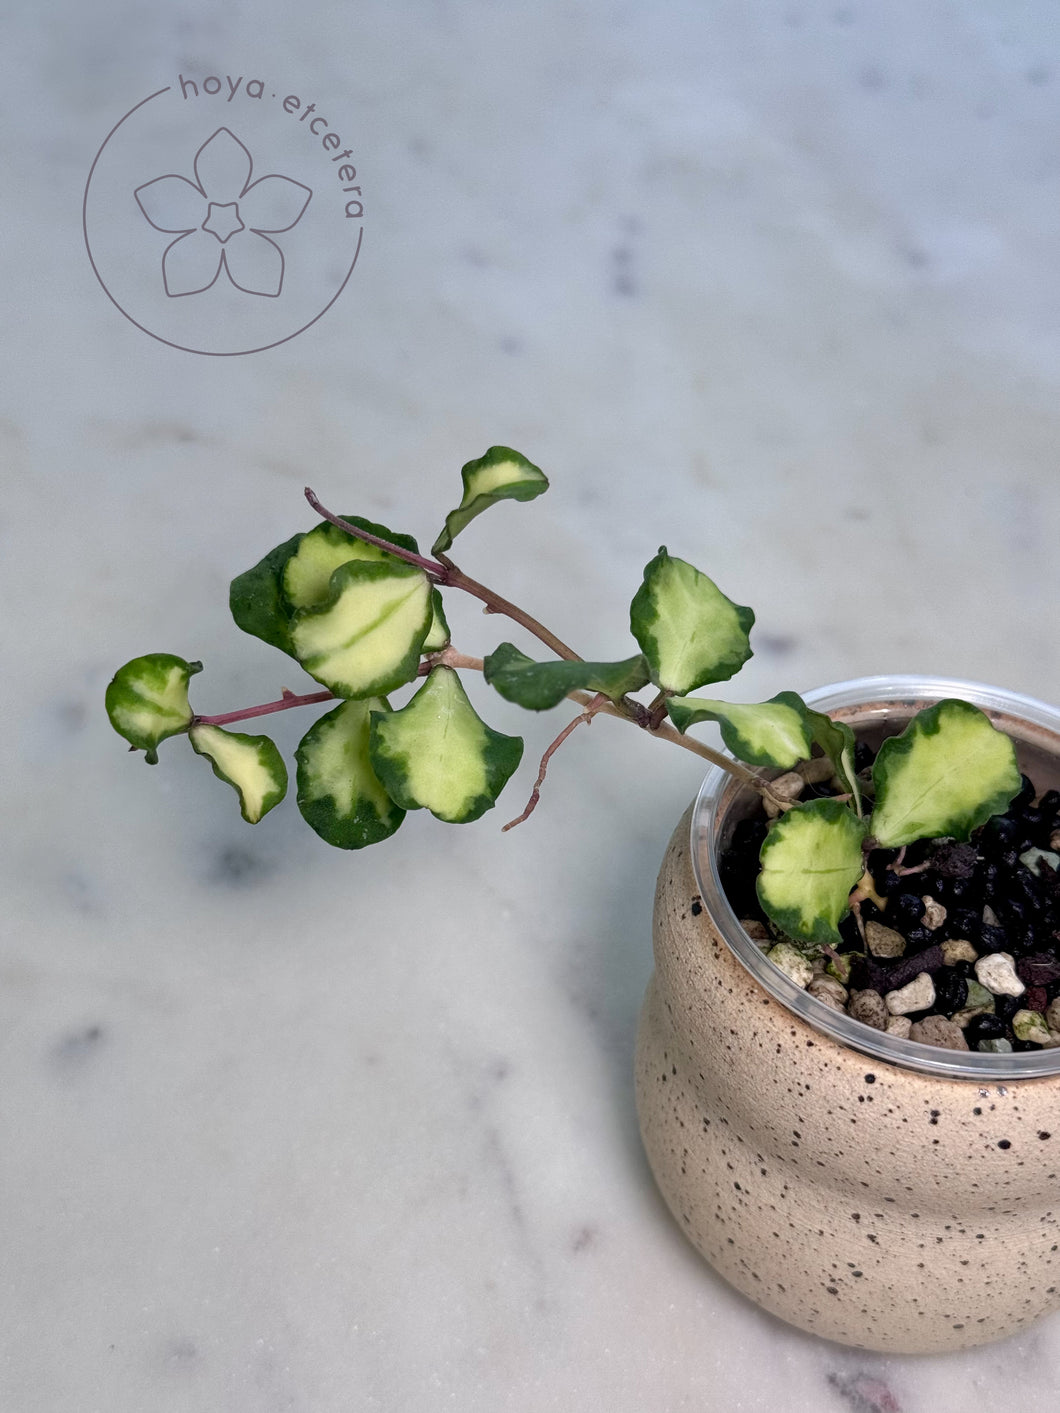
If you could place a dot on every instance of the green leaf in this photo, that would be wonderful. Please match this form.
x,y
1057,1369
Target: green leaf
x,y
307,573
837,741
256,598
502,474
147,700
946,774
339,794
297,574
438,634
438,754
768,733
540,685
367,636
251,765
811,859
688,630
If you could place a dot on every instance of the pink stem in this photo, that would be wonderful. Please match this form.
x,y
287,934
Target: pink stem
x,y
432,567
289,699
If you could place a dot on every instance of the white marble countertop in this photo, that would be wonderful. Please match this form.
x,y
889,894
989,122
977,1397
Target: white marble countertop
x,y
777,284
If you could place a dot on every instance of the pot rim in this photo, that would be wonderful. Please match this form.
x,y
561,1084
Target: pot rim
x,y
720,789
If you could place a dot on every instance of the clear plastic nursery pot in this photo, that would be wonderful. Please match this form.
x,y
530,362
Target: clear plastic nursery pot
x,y
883,1193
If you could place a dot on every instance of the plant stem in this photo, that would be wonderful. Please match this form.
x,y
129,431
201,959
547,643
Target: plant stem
x,y
444,571
457,579
600,705
449,657
431,566
289,699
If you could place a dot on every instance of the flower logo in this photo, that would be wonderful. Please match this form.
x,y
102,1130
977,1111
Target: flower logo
x,y
224,220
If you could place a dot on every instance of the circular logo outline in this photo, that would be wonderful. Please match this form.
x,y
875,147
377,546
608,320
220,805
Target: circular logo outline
x,y
184,348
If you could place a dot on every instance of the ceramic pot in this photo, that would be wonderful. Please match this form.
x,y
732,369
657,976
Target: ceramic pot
x,y
886,1194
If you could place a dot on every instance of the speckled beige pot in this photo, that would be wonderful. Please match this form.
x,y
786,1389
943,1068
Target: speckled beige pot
x,y
902,1200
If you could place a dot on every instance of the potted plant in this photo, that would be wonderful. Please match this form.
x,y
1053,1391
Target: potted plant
x,y
833,1188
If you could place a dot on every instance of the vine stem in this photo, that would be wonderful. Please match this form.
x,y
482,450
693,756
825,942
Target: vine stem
x,y
287,700
443,571
432,566
598,705
447,657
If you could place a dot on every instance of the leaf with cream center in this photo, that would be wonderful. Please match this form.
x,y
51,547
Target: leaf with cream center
x,y
437,753
688,630
252,765
339,794
502,474
307,574
767,733
811,859
946,774
367,637
147,700
297,574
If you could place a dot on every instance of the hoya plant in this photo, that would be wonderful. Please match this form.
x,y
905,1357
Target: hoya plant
x,y
362,611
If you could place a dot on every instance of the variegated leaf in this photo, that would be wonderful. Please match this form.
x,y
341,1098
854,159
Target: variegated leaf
x,y
767,733
436,753
147,700
502,474
252,765
366,638
690,633
946,774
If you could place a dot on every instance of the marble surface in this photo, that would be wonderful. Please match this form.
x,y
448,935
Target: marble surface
x,y
775,284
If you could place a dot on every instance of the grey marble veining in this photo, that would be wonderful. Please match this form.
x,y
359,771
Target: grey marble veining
x,y
774,284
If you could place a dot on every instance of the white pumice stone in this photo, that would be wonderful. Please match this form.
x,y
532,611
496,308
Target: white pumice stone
x,y
916,995
792,963
1030,1025
997,973
1052,1014
958,949
883,941
934,912
900,1026
833,993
